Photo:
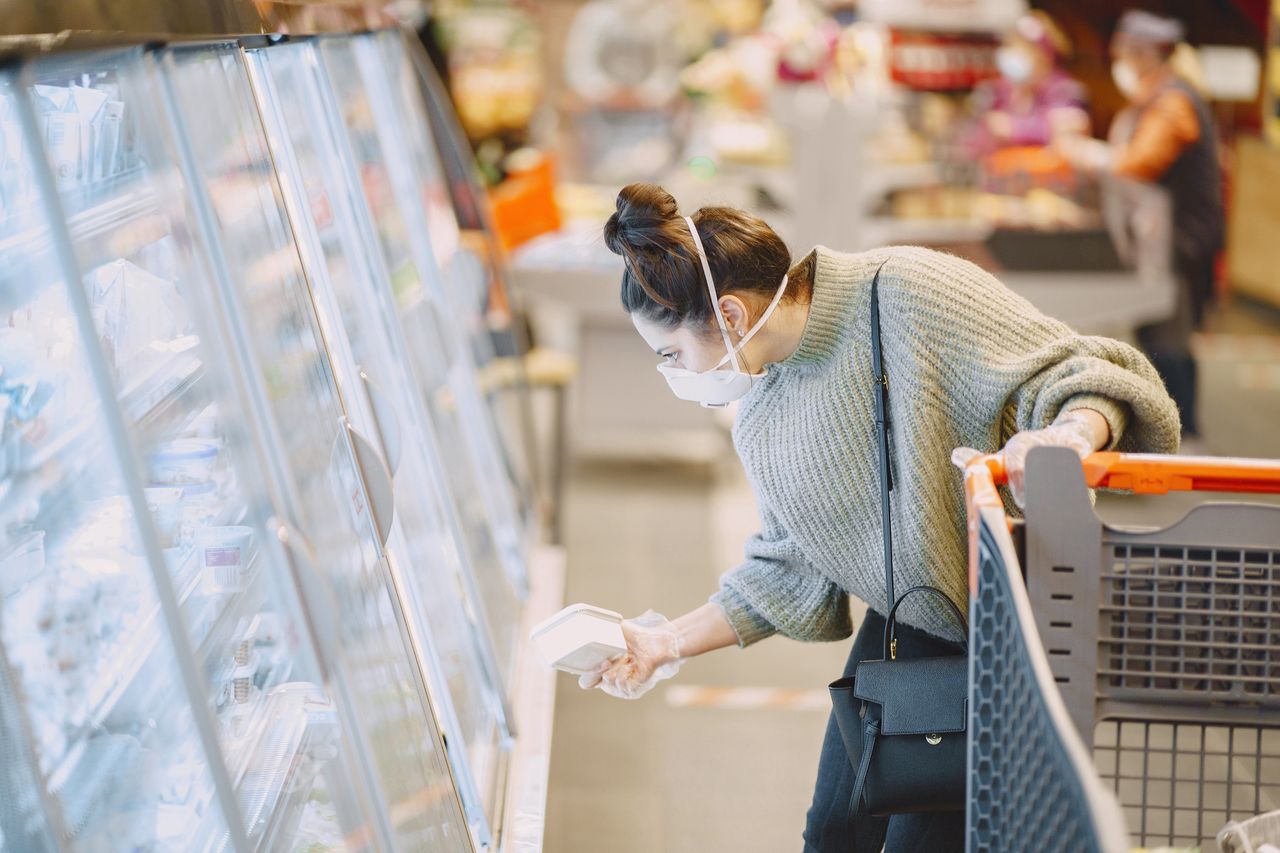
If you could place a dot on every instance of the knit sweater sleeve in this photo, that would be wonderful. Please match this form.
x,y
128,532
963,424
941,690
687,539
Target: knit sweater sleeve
x,y
776,590
995,352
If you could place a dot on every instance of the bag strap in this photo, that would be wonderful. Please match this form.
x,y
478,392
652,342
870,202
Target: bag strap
x,y
869,734
882,438
891,621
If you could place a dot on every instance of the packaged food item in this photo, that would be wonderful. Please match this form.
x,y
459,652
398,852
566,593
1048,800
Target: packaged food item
x,y
184,461
132,309
201,507
224,557
205,424
107,140
165,503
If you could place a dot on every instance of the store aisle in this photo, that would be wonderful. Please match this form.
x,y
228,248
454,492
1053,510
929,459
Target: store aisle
x,y
694,766
678,770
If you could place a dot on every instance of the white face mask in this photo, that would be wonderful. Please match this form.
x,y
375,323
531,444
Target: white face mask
x,y
1013,64
1125,78
716,387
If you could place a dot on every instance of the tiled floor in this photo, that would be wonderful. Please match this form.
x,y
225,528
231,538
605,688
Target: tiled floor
x,y
688,768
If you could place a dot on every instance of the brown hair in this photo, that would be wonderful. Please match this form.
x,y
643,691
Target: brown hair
x,y
663,280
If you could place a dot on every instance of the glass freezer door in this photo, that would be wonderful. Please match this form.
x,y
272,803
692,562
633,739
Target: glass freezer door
x,y
470,287
352,293
104,746
323,476
437,355
287,758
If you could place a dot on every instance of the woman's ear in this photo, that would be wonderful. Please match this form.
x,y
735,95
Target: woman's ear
x,y
736,315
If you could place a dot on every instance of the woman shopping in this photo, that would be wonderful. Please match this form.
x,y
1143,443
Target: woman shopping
x,y
719,299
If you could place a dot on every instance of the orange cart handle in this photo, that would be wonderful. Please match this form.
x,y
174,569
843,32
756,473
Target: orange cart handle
x,y
1154,474
1151,474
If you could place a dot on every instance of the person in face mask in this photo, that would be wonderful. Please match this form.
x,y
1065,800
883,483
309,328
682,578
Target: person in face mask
x,y
718,299
1033,98
1166,136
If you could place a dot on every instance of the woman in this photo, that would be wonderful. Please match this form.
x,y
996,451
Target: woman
x,y
971,365
1033,99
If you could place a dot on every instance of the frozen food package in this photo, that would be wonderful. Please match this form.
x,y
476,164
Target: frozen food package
x,y
107,140
87,104
133,308
63,134
50,99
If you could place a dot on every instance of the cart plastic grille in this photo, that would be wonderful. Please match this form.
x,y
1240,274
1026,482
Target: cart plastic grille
x,y
1180,782
1018,764
1191,623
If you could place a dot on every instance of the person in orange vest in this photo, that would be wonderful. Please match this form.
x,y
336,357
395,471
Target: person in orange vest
x,y
1166,136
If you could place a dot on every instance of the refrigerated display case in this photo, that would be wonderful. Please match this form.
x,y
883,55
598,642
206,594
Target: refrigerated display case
x,y
326,475
439,357
351,290
463,283
299,771
91,692
261,555
500,341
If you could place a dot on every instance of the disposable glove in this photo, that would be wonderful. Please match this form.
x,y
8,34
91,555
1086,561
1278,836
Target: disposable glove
x,y
653,654
1075,434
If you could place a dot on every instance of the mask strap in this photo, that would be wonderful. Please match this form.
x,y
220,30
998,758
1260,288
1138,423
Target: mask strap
x,y
715,299
764,318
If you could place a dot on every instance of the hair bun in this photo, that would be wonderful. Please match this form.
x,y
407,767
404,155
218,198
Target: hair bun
x,y
642,210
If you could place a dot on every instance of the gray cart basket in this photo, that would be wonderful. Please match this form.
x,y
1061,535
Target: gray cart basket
x,y
1032,786
1164,644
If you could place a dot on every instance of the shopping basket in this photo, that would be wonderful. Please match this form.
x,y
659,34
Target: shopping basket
x,y
1163,644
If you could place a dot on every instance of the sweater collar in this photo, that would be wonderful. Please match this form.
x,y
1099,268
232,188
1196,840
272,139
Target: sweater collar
x,y
835,280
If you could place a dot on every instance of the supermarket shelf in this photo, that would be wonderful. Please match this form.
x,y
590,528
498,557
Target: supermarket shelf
x,y
268,766
112,685
160,400
236,609
129,198
887,231
992,18
150,401
96,761
880,178
525,803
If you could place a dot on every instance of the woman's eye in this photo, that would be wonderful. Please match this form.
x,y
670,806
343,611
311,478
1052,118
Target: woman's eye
x,y
670,357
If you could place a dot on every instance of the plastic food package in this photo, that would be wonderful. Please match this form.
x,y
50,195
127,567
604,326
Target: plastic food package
x,y
165,503
82,129
132,309
224,557
185,461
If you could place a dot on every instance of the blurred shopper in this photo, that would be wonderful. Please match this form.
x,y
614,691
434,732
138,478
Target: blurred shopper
x,y
1166,136
719,299
1033,98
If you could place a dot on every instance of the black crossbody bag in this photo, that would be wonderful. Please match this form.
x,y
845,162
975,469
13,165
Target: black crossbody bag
x,y
903,721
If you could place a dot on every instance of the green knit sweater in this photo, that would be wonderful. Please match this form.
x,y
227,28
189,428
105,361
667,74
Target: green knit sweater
x,y
970,363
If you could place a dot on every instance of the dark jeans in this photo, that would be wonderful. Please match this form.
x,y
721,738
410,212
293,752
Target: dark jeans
x,y
1168,342
830,827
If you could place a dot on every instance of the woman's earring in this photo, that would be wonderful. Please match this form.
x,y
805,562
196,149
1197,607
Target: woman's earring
x,y
741,333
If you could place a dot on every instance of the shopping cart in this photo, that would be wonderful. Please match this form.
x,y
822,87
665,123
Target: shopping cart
x,y
1032,785
1163,645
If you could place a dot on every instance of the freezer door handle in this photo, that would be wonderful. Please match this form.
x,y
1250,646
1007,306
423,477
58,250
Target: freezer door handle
x,y
388,422
377,482
315,591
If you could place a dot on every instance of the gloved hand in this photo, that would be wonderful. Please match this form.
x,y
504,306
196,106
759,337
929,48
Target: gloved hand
x,y
1074,433
653,654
